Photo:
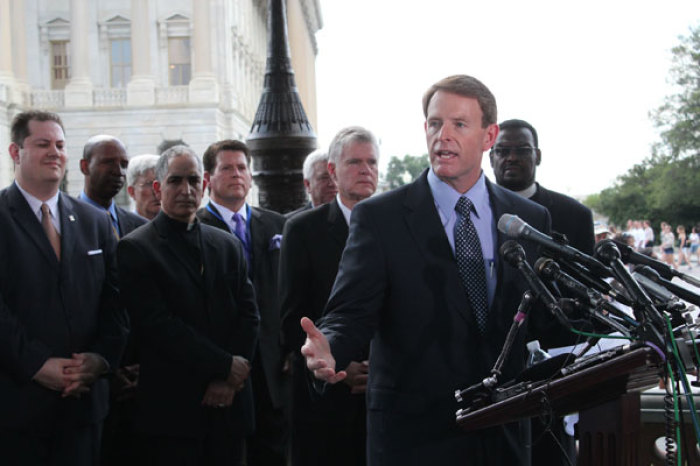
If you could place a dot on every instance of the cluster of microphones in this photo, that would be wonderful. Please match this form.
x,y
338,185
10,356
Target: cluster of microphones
x,y
616,291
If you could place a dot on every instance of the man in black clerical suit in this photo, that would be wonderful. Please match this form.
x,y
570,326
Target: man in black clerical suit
x,y
104,165
514,158
312,245
61,326
433,327
227,171
186,288
318,182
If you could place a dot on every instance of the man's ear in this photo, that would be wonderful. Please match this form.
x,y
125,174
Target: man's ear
x,y
307,185
14,152
156,189
131,191
84,165
331,171
538,157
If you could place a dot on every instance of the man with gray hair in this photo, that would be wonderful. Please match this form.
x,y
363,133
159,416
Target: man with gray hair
x,y
186,288
312,245
318,182
139,184
104,166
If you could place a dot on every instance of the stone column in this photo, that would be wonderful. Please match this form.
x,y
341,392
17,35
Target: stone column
x,y
19,48
204,86
78,92
141,89
7,76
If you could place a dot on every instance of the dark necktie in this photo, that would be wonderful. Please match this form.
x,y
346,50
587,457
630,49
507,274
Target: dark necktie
x,y
241,234
470,261
50,230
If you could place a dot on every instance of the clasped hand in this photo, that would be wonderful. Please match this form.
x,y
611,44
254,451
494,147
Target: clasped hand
x,y
71,376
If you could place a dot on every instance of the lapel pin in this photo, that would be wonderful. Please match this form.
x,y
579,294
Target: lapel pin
x,y
71,218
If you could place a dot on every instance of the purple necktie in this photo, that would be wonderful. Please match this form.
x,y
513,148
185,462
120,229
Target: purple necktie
x,y
241,234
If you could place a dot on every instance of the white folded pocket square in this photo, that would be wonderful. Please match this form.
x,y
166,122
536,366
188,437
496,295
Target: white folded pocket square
x,y
94,252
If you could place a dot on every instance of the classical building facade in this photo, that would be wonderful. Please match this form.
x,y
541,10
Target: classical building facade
x,y
145,71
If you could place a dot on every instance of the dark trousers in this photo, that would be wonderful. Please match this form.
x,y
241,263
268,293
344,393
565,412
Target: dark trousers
x,y
547,450
60,445
213,449
328,429
268,445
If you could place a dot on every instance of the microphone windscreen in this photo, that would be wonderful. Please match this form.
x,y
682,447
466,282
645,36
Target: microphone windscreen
x,y
510,225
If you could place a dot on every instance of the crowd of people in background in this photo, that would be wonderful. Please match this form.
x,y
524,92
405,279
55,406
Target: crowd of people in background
x,y
677,249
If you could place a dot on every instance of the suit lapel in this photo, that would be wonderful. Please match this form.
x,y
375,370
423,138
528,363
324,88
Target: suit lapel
x,y
69,229
258,240
423,221
500,205
27,221
337,226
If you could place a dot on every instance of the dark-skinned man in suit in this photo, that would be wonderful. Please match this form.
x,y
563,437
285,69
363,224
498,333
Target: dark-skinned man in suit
x,y
103,166
192,306
420,279
514,158
61,326
312,245
227,170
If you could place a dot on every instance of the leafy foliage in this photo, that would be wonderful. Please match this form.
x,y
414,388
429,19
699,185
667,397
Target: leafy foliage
x,y
405,170
666,186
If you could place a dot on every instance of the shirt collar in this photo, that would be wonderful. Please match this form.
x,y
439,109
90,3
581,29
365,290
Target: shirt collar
x,y
228,213
346,212
111,209
35,203
528,192
446,196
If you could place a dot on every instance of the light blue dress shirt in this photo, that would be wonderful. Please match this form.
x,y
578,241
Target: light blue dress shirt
x,y
446,198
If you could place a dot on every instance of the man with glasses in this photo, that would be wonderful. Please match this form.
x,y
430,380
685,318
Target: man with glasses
x,y
514,159
139,184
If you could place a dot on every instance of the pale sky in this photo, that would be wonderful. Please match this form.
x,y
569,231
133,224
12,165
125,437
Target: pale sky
x,y
584,74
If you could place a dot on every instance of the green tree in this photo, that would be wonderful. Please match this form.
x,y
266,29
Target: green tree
x,y
666,185
405,170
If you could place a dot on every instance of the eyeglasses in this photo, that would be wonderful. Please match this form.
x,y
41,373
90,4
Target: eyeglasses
x,y
522,151
145,185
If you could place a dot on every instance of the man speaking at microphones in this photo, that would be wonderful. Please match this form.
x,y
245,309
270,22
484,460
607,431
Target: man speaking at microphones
x,y
421,280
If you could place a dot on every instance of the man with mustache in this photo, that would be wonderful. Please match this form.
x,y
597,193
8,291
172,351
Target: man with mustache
x,y
311,249
227,170
186,289
104,165
514,158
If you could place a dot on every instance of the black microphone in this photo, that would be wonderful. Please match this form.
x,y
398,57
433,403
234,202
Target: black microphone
x,y
515,227
548,269
606,250
630,256
677,290
514,254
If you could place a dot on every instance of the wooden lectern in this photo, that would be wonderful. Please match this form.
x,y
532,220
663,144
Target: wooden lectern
x,y
601,392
